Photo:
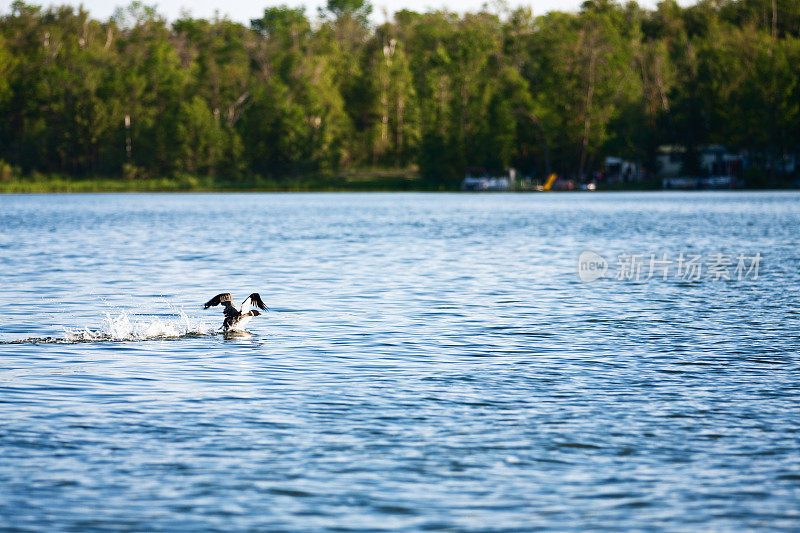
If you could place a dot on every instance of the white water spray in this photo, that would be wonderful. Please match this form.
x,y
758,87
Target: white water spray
x,y
124,327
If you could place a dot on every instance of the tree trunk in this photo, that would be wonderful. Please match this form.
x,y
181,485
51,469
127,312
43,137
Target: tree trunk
x,y
587,118
543,140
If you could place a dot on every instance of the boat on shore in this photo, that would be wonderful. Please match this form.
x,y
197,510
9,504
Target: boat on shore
x,y
477,179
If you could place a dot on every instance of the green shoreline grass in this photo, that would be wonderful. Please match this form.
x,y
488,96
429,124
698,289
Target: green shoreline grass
x,y
362,180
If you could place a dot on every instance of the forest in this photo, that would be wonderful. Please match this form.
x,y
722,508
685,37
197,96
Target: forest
x,y
293,101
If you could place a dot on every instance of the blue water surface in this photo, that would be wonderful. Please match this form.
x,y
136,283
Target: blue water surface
x,y
430,362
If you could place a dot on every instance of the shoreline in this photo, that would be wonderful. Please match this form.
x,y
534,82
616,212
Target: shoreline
x,y
397,180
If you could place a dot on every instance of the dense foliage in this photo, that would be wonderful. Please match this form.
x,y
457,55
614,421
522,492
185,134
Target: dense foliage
x,y
139,98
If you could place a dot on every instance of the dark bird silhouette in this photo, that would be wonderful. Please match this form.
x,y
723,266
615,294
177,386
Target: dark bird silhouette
x,y
236,319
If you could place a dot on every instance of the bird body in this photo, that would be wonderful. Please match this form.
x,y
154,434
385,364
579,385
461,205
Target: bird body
x,y
236,319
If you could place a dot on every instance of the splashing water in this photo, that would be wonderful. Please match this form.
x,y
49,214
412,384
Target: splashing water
x,y
123,327
120,327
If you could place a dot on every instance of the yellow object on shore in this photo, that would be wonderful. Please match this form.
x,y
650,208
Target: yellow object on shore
x,y
550,180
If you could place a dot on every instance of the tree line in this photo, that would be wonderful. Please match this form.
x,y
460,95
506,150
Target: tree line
x,y
135,96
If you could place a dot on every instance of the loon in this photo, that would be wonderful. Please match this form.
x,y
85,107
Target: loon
x,y
236,319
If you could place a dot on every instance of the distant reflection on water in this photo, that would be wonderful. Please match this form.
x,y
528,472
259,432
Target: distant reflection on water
x,y
430,362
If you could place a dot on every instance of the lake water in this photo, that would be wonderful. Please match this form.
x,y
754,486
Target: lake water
x,y
429,362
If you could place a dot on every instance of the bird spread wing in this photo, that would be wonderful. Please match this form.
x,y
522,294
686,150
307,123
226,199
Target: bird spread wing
x,y
253,299
218,299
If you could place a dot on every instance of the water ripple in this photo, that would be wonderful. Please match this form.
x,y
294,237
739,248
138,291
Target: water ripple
x,y
431,363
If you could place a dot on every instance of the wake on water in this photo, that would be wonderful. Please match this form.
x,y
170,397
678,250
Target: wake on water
x,y
123,327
